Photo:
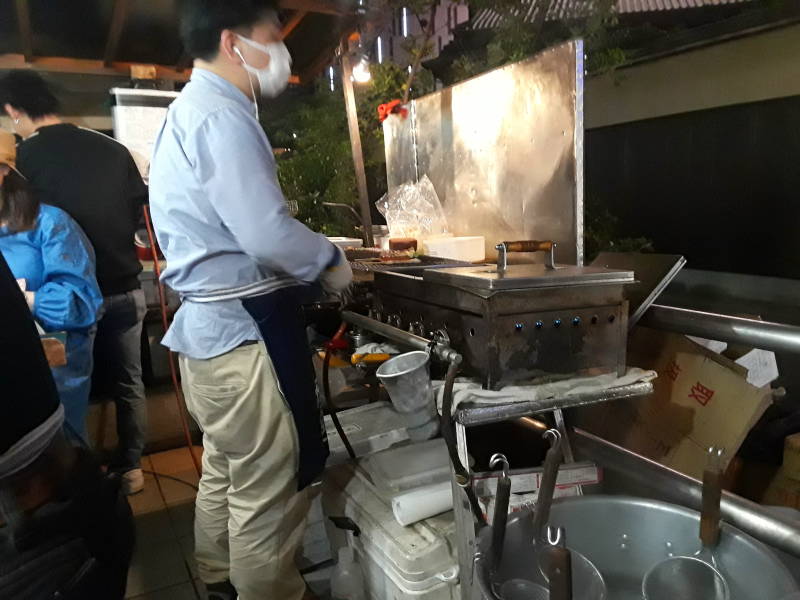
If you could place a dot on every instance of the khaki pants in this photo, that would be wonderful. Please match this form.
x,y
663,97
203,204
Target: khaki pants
x,y
249,517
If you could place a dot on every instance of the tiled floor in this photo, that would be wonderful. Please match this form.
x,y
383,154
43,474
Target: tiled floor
x,y
163,567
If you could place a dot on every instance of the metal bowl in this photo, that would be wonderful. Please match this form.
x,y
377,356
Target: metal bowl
x,y
625,536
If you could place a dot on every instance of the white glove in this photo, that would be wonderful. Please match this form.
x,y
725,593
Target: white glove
x,y
336,278
30,297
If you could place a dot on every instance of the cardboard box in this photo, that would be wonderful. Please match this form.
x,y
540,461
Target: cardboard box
x,y
791,457
701,399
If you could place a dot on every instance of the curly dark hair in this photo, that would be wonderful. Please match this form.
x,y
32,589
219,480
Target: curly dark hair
x,y
19,208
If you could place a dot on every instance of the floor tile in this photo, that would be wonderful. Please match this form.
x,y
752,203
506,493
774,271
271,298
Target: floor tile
x,y
184,591
150,499
154,528
176,476
156,566
187,549
182,517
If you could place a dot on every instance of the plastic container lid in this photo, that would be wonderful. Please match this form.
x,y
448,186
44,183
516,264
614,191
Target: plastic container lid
x,y
408,467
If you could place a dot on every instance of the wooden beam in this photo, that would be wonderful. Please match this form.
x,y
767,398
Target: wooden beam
x,y
324,7
118,18
55,64
292,23
24,28
82,66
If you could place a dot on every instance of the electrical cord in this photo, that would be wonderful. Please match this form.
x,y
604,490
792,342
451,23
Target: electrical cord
x,y
173,370
335,342
448,433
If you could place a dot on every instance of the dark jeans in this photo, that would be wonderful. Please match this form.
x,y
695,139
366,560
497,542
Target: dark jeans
x,y
118,366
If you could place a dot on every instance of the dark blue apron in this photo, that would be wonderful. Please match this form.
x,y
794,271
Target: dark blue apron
x,y
280,320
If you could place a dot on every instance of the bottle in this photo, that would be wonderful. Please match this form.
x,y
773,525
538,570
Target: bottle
x,y
347,581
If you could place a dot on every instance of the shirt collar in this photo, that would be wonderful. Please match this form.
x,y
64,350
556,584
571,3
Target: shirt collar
x,y
225,87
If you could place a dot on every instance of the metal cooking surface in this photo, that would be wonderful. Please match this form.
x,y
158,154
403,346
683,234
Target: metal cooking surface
x,y
525,277
421,262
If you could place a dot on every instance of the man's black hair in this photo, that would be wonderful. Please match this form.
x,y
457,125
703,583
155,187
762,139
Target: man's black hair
x,y
202,22
28,92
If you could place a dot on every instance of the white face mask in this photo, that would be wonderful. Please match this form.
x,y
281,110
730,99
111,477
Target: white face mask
x,y
273,78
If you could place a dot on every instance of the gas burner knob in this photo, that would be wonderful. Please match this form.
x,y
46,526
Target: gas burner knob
x,y
576,321
539,324
557,323
519,326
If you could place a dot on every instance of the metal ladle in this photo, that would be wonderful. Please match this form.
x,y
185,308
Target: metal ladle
x,y
587,582
695,577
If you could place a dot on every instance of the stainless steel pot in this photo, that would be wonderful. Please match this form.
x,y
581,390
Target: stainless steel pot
x,y
625,536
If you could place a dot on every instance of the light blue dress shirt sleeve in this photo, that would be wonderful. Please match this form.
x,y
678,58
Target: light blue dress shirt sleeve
x,y
235,166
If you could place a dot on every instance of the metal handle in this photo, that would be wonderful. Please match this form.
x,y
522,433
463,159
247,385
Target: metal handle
x,y
529,246
501,500
560,573
547,488
503,248
710,514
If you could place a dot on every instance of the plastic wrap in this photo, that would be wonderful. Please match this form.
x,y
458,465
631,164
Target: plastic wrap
x,y
413,210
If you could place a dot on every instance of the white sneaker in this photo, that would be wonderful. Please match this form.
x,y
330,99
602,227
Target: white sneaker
x,y
132,482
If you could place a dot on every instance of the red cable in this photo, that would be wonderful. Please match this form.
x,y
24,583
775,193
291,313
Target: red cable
x,y
173,370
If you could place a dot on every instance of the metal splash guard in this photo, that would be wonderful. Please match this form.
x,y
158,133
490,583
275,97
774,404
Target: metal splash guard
x,y
504,151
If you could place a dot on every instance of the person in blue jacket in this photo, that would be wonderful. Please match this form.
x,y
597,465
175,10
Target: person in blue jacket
x,y
54,265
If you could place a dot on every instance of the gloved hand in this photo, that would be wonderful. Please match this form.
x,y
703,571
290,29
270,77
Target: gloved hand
x,y
338,276
30,297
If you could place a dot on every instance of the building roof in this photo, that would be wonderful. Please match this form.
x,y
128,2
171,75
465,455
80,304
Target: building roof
x,y
104,37
488,18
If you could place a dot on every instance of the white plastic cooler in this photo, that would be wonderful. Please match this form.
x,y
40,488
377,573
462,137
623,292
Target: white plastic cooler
x,y
417,562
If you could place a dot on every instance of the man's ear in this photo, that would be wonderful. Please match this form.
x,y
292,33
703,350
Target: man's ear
x,y
227,46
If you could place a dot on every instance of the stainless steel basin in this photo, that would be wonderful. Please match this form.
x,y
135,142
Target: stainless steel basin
x,y
625,536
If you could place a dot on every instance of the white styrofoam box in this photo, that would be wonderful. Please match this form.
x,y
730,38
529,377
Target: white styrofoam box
x,y
315,549
416,562
369,428
467,248
346,242
410,466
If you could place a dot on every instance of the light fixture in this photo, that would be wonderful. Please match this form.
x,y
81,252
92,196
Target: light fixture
x,y
379,46
361,73
405,21
331,75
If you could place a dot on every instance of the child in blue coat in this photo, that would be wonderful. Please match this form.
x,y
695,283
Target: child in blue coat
x,y
54,265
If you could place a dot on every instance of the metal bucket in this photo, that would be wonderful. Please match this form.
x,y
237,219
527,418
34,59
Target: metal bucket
x,y
408,381
625,536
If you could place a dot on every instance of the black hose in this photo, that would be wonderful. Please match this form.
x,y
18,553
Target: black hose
x,y
332,410
449,435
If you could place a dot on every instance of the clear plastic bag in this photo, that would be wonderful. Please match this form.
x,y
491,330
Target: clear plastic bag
x,y
413,210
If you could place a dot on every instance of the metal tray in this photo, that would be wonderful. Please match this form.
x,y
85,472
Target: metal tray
x,y
530,276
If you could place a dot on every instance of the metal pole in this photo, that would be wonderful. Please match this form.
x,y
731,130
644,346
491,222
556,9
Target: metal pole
x,y
748,516
766,335
355,142
444,352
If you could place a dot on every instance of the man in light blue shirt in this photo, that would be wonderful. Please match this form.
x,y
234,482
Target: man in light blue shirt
x,y
240,263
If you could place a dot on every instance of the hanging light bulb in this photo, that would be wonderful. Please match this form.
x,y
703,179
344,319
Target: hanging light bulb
x,y
361,73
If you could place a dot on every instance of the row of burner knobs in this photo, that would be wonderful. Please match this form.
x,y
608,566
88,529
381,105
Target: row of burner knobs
x,y
418,327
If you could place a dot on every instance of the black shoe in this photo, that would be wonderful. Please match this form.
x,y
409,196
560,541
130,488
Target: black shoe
x,y
221,591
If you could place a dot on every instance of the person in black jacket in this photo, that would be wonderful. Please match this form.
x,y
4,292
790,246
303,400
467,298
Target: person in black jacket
x,y
94,179
65,529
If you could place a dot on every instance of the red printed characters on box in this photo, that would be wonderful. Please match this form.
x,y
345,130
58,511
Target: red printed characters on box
x,y
701,393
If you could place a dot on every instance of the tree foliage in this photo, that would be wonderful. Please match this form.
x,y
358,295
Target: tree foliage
x,y
317,165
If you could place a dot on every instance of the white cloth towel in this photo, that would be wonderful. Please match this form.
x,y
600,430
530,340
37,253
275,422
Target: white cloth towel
x,y
471,391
